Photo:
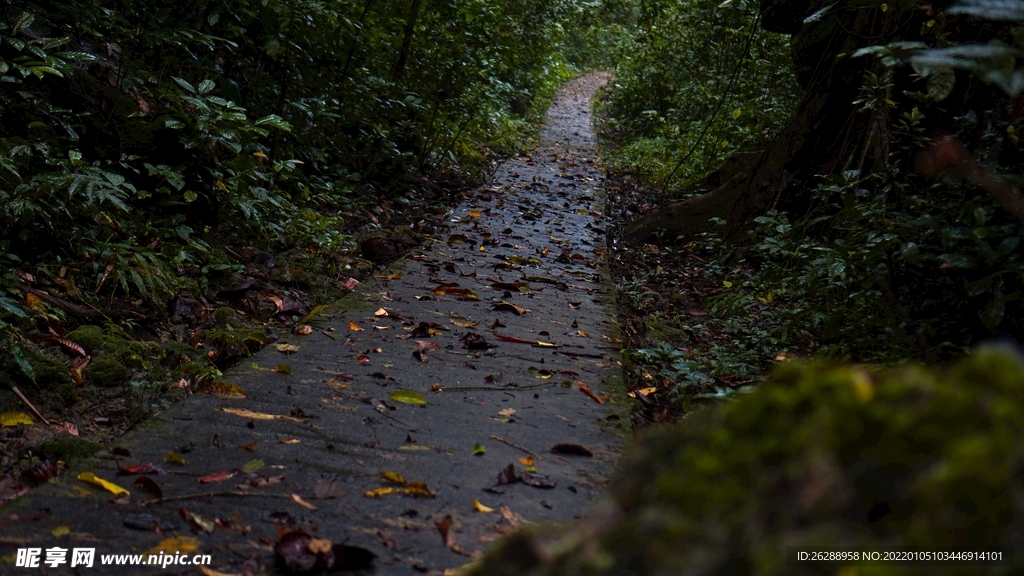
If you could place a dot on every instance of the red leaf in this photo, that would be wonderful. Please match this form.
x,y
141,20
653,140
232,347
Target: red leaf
x,y
513,339
215,477
143,468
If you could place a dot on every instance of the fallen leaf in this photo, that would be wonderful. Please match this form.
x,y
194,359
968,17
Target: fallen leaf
x,y
507,412
95,480
463,323
69,345
312,313
283,368
303,330
394,276
354,327
289,441
481,508
202,523
258,415
574,449
586,390
174,458
526,460
351,283
408,397
176,545
143,468
479,449
381,313
444,526
215,477
14,418
394,478
509,307
298,500
62,530
222,389
149,485
287,348
504,338
379,492
253,465
416,489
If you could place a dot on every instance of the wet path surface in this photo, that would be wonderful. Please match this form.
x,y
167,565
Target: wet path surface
x,y
426,397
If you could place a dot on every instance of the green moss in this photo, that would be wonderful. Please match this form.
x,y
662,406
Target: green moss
x,y
69,448
47,371
106,373
92,338
182,350
225,317
817,456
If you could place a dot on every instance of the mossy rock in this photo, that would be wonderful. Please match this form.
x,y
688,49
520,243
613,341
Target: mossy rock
x,y
97,342
69,448
225,317
183,350
818,456
106,373
47,371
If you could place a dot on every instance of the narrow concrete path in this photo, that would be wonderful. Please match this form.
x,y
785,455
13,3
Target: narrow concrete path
x,y
495,326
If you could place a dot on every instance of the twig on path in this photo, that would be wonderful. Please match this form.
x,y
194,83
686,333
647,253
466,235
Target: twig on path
x,y
29,404
498,388
210,495
517,447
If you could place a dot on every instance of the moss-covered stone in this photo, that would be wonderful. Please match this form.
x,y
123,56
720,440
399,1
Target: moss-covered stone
x,y
69,448
818,456
92,338
47,371
105,372
225,317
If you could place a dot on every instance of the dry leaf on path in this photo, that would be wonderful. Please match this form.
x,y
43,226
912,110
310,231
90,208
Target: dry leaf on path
x,y
298,500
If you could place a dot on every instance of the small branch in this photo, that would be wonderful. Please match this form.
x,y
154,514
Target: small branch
x,y
499,388
29,404
517,446
210,495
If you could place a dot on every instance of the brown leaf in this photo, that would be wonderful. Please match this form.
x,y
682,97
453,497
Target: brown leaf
x,y
586,390
509,307
574,449
444,526
354,327
149,485
513,339
304,330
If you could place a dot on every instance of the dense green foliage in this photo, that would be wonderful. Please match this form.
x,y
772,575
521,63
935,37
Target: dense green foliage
x,y
817,456
137,136
696,81
868,258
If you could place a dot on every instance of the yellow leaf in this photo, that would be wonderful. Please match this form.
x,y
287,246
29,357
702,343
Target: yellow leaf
x,y
319,546
481,508
222,186
526,460
474,213
106,485
463,323
259,155
416,489
62,530
259,415
174,458
379,492
176,545
583,333
222,389
287,348
393,477
736,114
408,397
380,313
354,327
316,310
14,418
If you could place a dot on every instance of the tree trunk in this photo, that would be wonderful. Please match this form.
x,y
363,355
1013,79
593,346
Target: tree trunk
x,y
410,27
825,132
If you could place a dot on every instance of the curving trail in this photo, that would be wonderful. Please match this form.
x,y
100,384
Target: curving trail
x,y
496,324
